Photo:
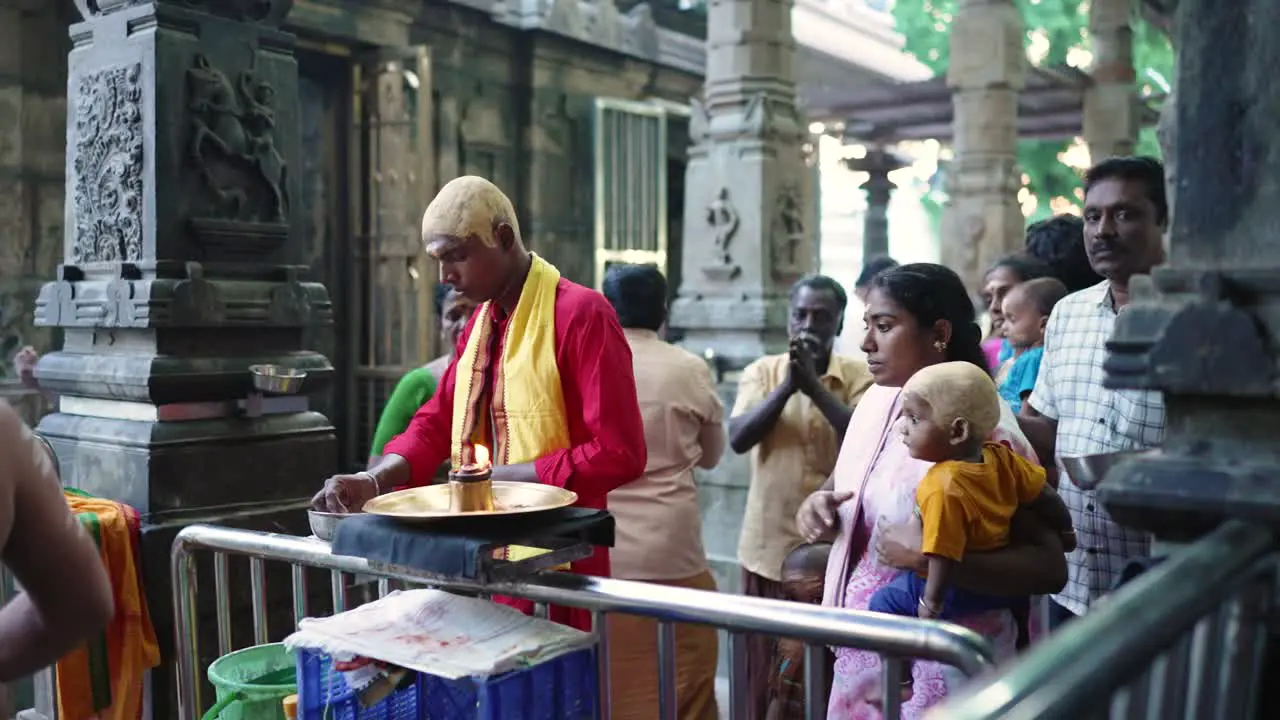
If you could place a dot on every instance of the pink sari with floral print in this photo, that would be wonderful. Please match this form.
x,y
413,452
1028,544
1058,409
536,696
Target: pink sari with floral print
x,y
875,466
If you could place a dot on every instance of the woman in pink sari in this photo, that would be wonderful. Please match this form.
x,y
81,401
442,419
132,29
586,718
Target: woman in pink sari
x,y
917,315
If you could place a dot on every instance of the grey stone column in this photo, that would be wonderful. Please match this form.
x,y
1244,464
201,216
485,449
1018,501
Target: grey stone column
x,y
1111,104
983,221
1203,328
747,226
875,230
179,270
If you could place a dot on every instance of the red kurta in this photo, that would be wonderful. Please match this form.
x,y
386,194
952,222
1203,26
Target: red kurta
x,y
605,430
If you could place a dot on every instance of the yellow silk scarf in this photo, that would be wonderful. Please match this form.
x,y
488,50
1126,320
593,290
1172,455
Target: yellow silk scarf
x,y
527,404
526,413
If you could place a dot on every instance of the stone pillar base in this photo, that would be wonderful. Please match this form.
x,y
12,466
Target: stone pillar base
x,y
161,467
737,331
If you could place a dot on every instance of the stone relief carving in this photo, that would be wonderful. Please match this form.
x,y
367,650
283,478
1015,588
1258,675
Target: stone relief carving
x,y
699,122
107,166
269,11
788,233
974,227
766,117
723,218
566,17
232,145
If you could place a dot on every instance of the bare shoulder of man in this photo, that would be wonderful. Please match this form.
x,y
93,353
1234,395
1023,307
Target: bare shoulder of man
x,y
9,425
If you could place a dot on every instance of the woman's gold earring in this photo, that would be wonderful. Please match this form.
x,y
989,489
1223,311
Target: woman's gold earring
x,y
940,346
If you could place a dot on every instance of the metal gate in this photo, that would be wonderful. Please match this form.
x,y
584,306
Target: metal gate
x,y
391,314
630,148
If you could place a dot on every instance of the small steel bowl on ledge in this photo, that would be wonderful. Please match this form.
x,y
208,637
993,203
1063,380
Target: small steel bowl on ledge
x,y
324,524
1088,471
276,379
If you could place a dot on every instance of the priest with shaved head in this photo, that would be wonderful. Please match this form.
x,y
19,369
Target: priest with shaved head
x,y
542,376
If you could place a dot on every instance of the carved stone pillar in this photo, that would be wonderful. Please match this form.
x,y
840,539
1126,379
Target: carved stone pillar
x,y
179,272
1202,328
1111,104
875,230
747,229
988,67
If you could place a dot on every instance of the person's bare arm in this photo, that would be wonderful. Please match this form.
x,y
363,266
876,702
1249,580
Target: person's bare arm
x,y
1041,432
66,593
1052,511
1032,563
711,438
748,429
936,585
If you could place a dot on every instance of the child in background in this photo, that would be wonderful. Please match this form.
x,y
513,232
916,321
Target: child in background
x,y
803,574
1026,311
966,500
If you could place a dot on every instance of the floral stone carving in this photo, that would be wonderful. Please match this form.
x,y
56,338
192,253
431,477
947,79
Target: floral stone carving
x,y
107,166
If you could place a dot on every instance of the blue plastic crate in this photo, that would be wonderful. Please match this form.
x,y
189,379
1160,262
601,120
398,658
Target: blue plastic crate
x,y
564,688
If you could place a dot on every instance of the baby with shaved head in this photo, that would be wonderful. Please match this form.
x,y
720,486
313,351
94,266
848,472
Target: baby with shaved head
x,y
1026,310
966,500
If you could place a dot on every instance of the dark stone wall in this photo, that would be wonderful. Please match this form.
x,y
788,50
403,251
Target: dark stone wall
x,y
516,107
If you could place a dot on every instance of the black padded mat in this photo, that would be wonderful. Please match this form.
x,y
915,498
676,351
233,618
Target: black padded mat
x,y
456,548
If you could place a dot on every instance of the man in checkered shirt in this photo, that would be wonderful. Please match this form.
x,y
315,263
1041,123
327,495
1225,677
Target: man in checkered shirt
x,y
1070,412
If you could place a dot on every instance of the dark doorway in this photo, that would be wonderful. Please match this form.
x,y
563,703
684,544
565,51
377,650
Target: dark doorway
x,y
324,97
677,157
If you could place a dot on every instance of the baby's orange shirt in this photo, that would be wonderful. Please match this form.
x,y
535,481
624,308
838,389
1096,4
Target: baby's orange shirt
x,y
965,506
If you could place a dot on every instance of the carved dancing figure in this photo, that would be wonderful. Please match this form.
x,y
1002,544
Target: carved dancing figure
x,y
722,216
792,226
260,122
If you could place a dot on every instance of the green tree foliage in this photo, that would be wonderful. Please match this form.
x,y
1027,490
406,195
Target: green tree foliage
x,y
1057,27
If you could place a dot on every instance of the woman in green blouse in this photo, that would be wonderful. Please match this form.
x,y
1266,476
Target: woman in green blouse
x,y
417,386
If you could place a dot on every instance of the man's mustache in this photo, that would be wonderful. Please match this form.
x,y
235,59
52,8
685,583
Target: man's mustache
x,y
1110,246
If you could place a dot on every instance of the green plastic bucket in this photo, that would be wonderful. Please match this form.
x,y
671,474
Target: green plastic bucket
x,y
253,683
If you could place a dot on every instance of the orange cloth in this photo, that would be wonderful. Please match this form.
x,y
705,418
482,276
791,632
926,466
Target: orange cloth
x,y
103,680
633,663
966,506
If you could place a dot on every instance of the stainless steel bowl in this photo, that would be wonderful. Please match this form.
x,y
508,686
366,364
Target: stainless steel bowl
x,y
1087,471
277,379
323,524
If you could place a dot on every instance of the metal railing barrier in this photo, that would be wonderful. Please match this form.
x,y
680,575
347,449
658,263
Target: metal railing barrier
x,y
895,639
1184,640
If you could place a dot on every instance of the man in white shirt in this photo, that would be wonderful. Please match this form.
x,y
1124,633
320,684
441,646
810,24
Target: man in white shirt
x,y
1070,412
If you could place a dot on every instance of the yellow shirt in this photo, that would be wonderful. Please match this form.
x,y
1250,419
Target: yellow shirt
x,y
966,506
792,460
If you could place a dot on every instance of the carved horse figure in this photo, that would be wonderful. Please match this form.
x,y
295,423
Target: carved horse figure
x,y
215,122
238,124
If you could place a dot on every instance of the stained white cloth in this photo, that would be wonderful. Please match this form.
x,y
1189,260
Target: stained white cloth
x,y
441,634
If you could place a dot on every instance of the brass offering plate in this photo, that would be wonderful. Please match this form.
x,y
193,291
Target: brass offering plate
x,y
429,503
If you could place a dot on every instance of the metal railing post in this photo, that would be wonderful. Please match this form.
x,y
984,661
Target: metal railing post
x,y
739,615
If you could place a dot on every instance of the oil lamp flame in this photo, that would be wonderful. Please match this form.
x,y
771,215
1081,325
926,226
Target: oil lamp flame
x,y
482,456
